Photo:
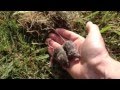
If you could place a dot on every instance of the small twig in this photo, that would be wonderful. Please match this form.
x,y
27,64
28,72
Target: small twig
x,y
33,31
37,43
32,22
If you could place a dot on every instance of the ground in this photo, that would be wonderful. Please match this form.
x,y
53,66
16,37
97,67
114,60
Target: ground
x,y
23,53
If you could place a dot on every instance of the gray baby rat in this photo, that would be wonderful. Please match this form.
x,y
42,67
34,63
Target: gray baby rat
x,y
71,50
60,56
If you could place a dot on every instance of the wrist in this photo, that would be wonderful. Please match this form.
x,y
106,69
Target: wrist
x,y
102,66
109,68
112,69
105,66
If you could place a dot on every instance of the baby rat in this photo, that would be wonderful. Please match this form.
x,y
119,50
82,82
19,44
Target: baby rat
x,y
61,57
71,50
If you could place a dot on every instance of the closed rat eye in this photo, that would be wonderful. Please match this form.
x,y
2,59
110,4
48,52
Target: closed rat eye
x,y
71,52
59,58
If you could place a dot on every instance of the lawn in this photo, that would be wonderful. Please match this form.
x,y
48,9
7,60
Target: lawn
x,y
23,53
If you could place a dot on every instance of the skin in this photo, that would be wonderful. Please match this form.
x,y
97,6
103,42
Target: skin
x,y
95,61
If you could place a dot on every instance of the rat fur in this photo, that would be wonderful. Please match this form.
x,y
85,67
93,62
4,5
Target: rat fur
x,y
71,50
61,57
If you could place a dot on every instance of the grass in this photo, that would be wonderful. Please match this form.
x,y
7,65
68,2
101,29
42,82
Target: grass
x,y
23,53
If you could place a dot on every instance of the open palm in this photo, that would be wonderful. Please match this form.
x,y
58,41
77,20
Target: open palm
x,y
90,50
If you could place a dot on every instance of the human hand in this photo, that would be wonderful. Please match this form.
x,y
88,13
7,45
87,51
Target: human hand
x,y
92,50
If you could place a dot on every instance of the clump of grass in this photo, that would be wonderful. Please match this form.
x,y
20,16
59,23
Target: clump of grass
x,y
23,53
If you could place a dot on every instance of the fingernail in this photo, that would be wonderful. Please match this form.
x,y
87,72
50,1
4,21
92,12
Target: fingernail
x,y
47,41
51,35
89,22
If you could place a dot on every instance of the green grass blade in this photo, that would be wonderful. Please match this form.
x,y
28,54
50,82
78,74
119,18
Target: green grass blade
x,y
93,14
105,17
7,70
103,30
117,32
42,57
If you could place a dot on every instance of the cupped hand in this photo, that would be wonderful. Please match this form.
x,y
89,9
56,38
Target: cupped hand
x,y
91,49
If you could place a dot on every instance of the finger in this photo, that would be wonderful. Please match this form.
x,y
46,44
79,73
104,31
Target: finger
x,y
52,45
56,38
68,34
94,33
50,50
75,70
92,28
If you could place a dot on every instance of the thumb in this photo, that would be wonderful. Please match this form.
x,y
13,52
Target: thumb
x,y
94,34
92,29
